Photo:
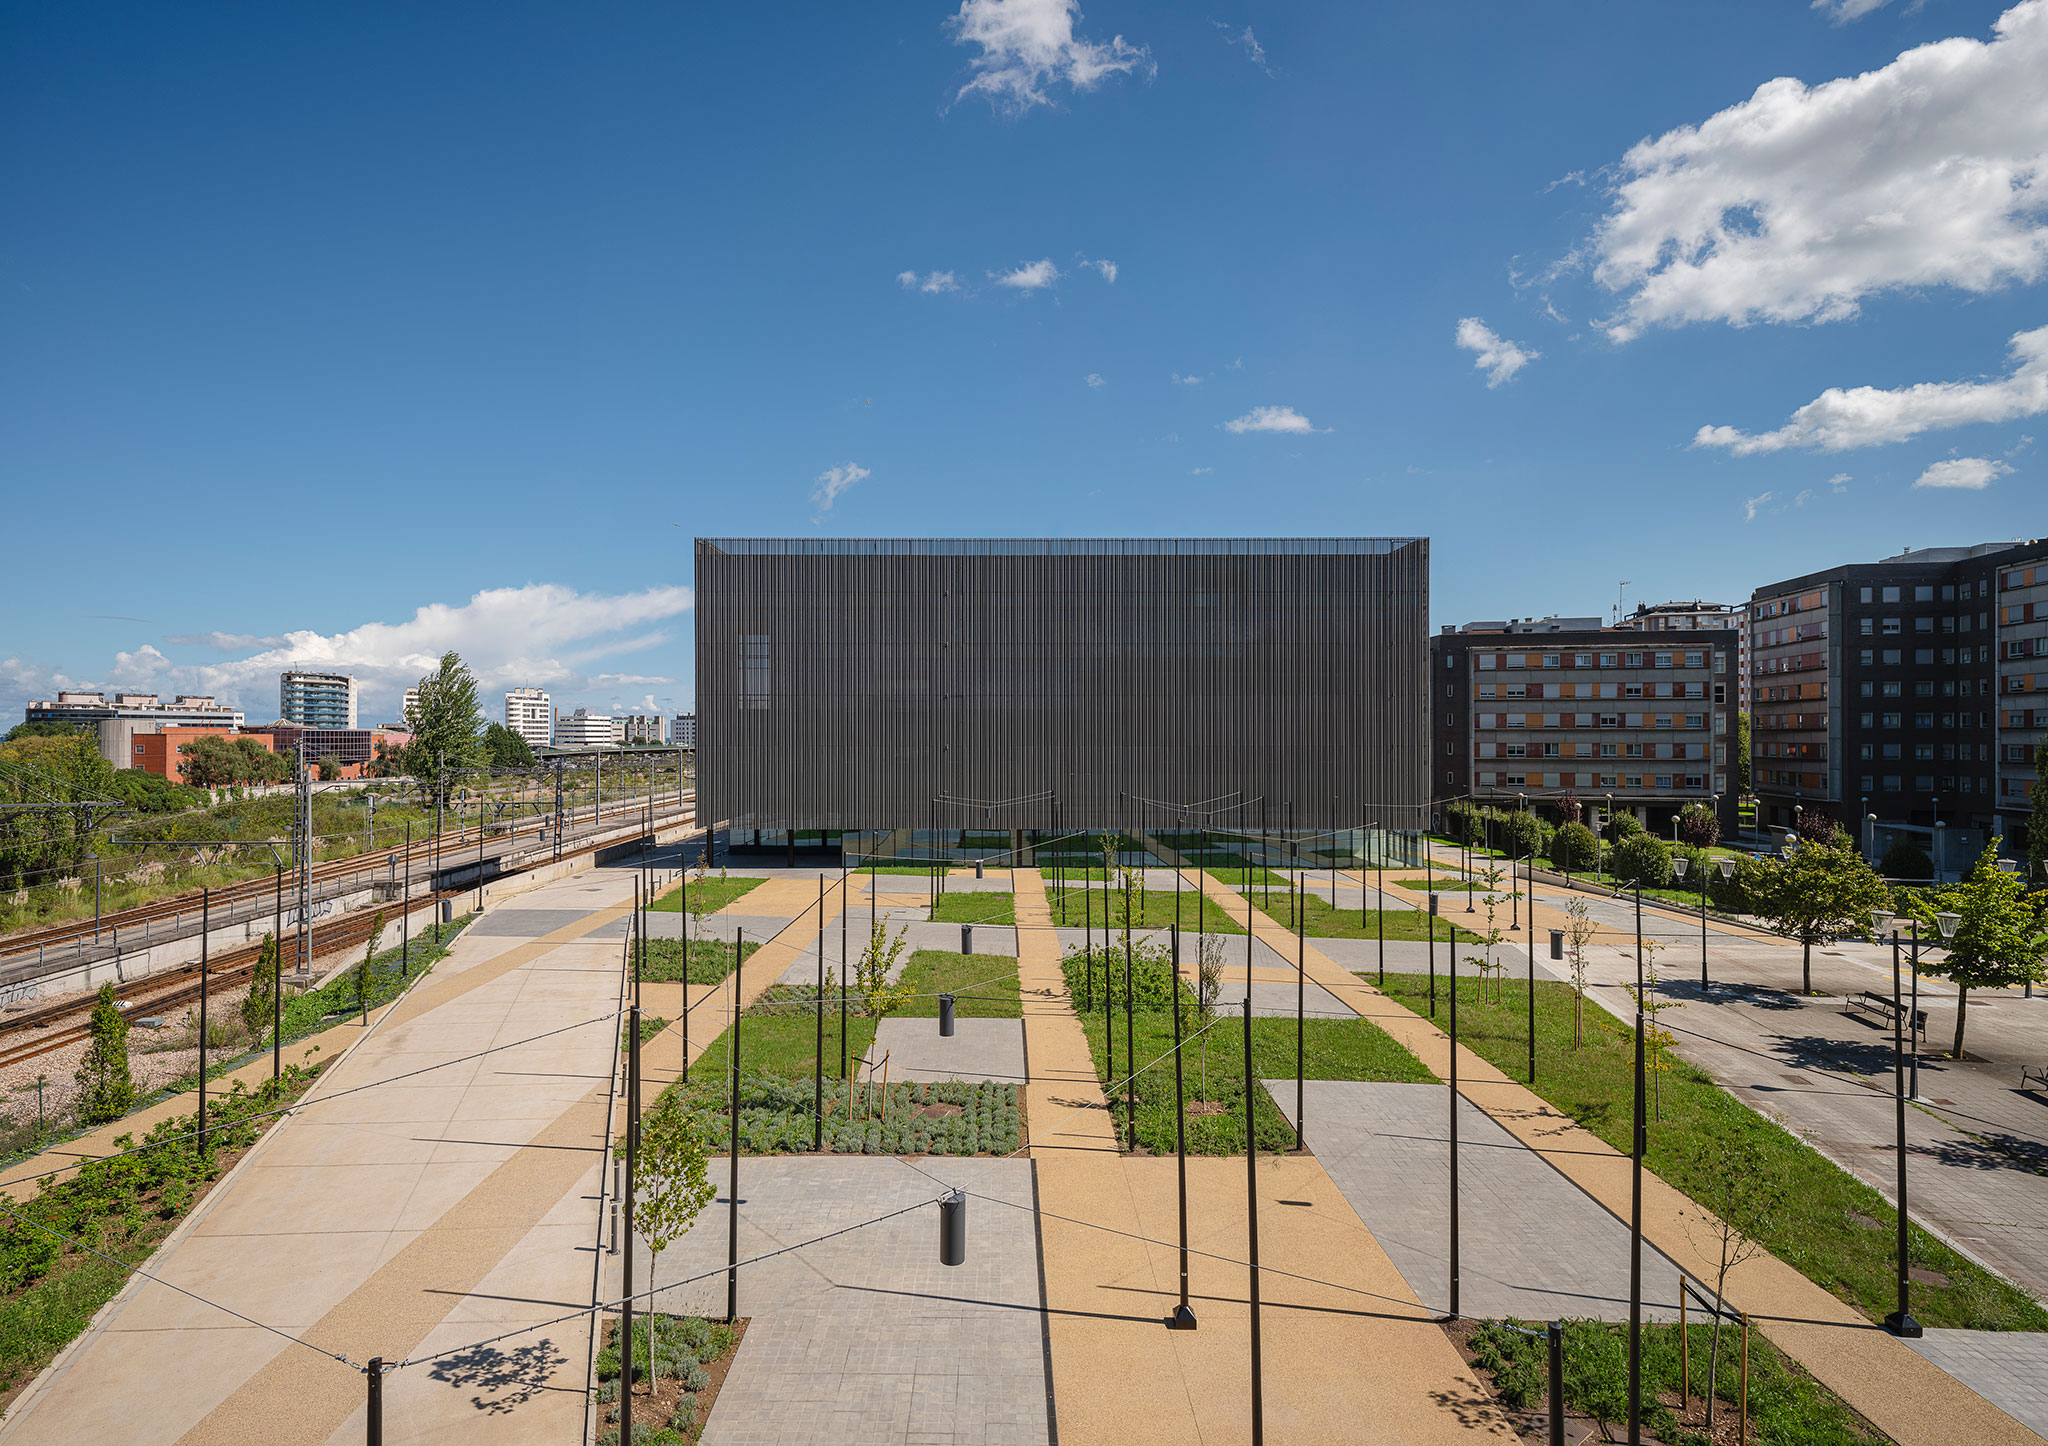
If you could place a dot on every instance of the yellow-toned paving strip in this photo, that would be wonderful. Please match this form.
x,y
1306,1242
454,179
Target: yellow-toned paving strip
x,y
1903,1394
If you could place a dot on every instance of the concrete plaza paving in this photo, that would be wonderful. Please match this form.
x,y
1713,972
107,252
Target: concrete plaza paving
x,y
1531,1243
2007,1368
866,1337
979,1049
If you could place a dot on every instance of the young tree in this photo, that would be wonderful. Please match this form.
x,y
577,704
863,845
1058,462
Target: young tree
x,y
1208,989
671,1187
1818,894
2000,939
1579,931
330,768
447,734
105,1088
256,1004
1484,961
1739,1195
881,995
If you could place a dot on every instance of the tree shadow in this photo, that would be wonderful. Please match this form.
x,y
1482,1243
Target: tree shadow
x,y
1762,996
1819,1051
1987,1152
505,1380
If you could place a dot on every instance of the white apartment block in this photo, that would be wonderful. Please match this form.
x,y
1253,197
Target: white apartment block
x,y
584,729
529,712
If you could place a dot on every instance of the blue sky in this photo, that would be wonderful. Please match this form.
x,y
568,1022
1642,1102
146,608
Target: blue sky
x,y
350,333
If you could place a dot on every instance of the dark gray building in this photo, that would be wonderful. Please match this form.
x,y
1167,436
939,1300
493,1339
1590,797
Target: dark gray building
x,y
1048,684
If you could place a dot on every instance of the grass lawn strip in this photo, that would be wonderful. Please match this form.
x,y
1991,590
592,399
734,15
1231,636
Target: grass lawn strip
x,y
1408,925
705,896
708,960
980,907
1074,908
984,986
1833,1228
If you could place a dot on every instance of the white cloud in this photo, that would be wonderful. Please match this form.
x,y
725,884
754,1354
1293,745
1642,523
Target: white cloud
x,y
1751,504
1238,365
931,283
1499,359
1105,269
1181,381
1843,11
1837,420
1270,419
1029,46
835,480
1030,276
1798,202
226,642
1094,379
1799,500
537,634
1248,43
1200,471
1975,473
1840,482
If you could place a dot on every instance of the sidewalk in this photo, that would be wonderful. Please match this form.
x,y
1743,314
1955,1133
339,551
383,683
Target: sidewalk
x,y
1901,1392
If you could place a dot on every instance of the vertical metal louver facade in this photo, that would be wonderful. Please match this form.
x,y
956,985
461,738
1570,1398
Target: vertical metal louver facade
x,y
1062,683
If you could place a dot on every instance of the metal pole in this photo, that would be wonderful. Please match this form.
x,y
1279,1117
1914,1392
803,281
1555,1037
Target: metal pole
x,y
1900,1322
1183,1317
1532,971
1429,887
1454,1113
277,983
405,910
1635,1209
845,908
1703,929
1130,1042
1251,1196
205,929
375,1423
1108,1019
1379,891
1555,1339
632,1166
818,1059
96,876
732,1194
1300,1004
1913,1060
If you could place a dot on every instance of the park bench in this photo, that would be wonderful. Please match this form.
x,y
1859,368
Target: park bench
x,y
1872,1002
2034,1076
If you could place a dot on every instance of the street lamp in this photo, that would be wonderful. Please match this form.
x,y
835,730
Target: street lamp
x,y
1900,1322
1514,892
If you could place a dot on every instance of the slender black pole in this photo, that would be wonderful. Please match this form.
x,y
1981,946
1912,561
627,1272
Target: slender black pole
x,y
1108,1019
205,929
1635,1210
845,908
1913,1054
732,1214
632,1163
1183,1317
1532,970
818,1059
1130,1042
1703,928
374,1421
1900,1322
1251,1198
1379,891
1454,1108
1300,1005
1554,1337
405,910
277,981
1429,886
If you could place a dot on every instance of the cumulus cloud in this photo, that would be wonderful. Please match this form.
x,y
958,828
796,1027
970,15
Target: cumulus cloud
x,y
1795,204
1105,269
1270,419
1751,504
1843,11
1200,471
1974,473
1838,420
1840,482
1498,358
931,283
540,633
1094,379
1031,276
835,480
1181,381
1028,47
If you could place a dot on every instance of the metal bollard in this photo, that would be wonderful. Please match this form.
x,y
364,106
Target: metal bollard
x,y
945,1016
953,1229
376,1412
967,938
1557,943
977,868
1556,1341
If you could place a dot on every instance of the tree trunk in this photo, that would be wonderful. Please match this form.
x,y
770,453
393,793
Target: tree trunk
x,y
1962,1001
1806,964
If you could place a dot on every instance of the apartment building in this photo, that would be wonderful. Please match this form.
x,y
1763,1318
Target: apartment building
x,y
1881,693
1698,616
529,712
130,715
316,700
2022,651
683,731
641,729
1533,711
584,729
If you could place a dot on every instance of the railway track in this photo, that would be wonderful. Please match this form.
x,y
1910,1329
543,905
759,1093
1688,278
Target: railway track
x,y
452,846
66,1022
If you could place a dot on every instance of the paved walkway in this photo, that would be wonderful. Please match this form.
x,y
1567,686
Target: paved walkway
x,y
399,1220
979,1049
1904,1395
2009,1368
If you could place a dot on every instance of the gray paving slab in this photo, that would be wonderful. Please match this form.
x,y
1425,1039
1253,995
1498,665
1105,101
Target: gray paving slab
x,y
865,1337
2007,1368
1531,1243
979,1049
1277,997
507,923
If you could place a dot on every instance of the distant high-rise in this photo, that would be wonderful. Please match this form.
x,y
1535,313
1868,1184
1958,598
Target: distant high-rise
x,y
584,729
529,712
317,700
641,728
412,698
683,731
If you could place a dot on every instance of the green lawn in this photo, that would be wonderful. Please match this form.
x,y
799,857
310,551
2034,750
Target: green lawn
x,y
1325,922
1213,1067
987,907
705,896
1073,910
1700,1128
710,960
922,868
1238,876
778,1036
984,986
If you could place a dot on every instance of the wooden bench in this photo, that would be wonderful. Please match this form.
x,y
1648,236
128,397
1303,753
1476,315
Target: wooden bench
x,y
2034,1076
1870,1001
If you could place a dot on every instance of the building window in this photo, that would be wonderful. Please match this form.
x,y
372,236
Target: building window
x,y
1868,658
1550,660
1486,690
1663,780
1923,783
1891,751
1663,660
1663,720
1869,720
1607,750
1720,692
1924,689
1607,660
1865,751
1923,720
1892,783
1867,625
1549,751
1692,720
1514,750
1694,780
1891,689
1924,593
1692,660
1632,660
1513,780
1866,595
1635,780
1869,779
1634,750
1486,662
1925,751
1579,660
1891,720
1607,781
1867,689
1893,657
1628,690
1891,594
1515,660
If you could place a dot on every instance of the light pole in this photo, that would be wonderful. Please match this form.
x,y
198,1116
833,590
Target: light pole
x,y
1514,890
1605,824
1900,1322
1635,1213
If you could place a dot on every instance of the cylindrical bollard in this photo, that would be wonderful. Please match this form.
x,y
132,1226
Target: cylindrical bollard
x,y
447,911
967,938
953,1229
618,1166
977,868
945,1016
1557,943
376,1417
1556,1340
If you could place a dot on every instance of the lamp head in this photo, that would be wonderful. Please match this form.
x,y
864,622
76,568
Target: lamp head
x,y
1946,922
1878,919
1679,864
1727,867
